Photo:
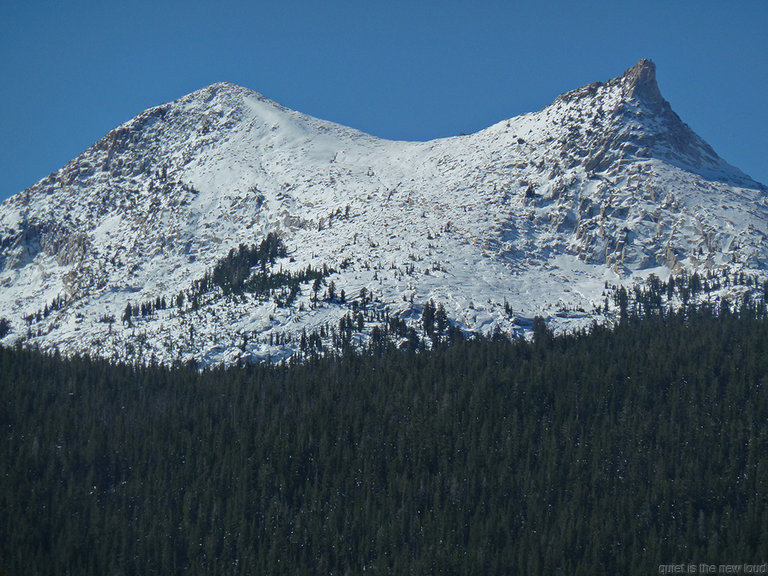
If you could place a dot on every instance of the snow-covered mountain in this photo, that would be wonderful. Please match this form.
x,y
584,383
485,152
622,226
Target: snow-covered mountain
x,y
531,216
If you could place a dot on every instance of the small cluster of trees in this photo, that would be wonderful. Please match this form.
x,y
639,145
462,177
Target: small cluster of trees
x,y
143,309
434,320
231,272
331,215
56,304
657,296
383,330
234,275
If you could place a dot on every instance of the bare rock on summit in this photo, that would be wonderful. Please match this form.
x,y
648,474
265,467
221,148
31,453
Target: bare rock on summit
x,y
639,82
635,121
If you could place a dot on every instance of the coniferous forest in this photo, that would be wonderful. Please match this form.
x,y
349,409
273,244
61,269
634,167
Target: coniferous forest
x,y
613,451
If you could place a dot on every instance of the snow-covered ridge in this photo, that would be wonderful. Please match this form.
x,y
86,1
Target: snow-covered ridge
x,y
530,216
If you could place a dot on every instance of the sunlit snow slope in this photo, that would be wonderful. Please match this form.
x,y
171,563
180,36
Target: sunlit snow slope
x,y
531,216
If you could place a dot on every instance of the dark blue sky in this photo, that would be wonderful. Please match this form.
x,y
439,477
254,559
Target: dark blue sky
x,y
72,70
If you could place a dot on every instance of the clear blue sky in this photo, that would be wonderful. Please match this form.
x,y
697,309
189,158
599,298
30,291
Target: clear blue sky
x,y
72,70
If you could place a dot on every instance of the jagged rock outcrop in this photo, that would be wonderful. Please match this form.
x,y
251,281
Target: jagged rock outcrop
x,y
639,82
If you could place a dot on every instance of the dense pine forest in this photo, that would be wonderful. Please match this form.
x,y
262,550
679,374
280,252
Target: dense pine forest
x,y
613,451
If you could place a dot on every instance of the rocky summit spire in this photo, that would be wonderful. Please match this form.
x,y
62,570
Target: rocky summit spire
x,y
639,82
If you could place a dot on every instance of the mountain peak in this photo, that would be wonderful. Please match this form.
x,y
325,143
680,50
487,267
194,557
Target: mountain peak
x,y
528,218
641,124
639,81
217,90
221,87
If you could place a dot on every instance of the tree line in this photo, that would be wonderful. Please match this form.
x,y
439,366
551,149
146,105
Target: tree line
x,y
613,450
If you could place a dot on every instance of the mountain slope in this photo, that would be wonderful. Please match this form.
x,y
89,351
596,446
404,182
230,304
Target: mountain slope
x,y
531,216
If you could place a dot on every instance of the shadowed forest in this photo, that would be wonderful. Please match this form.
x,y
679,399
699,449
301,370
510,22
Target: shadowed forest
x,y
610,451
